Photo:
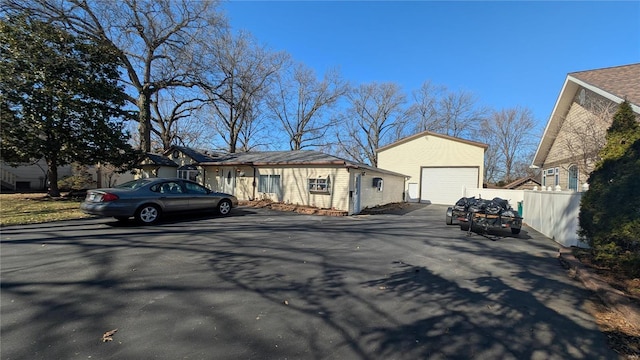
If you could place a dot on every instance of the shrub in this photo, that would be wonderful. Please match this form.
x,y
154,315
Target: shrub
x,y
610,209
79,180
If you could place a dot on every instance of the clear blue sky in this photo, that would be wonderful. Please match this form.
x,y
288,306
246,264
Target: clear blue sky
x,y
508,53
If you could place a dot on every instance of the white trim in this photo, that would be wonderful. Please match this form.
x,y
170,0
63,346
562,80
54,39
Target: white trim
x,y
603,93
568,92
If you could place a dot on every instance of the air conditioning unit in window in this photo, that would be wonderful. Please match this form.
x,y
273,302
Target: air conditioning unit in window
x,y
377,183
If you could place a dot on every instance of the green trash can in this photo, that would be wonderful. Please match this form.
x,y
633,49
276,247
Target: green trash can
x,y
520,208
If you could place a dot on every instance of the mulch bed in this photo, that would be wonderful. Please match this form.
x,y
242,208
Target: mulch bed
x,y
300,209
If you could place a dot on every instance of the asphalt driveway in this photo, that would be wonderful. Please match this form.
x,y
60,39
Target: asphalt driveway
x,y
268,285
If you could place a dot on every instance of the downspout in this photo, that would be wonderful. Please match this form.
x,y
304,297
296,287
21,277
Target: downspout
x,y
204,176
254,181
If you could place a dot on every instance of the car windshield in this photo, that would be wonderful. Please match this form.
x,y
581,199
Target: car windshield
x,y
134,184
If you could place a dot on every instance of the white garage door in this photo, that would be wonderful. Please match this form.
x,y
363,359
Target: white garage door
x,y
444,185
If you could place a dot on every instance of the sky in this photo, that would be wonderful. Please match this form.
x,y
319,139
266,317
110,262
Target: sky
x,y
507,53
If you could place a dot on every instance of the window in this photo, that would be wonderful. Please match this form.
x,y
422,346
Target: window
x,y
320,185
188,174
573,177
269,184
557,179
170,187
195,188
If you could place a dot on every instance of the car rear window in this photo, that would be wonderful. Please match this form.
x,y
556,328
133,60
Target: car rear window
x,y
133,184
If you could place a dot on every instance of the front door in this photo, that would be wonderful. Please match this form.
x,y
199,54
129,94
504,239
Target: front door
x,y
228,181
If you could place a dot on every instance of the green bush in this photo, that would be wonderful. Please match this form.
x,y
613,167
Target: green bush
x,y
79,180
610,209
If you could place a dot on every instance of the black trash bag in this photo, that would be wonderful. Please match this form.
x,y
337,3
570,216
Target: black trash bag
x,y
463,203
510,213
504,204
497,206
479,206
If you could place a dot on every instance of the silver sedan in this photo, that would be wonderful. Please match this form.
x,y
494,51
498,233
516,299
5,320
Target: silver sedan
x,y
147,199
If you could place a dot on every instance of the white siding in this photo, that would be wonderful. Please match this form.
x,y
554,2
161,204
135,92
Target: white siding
x,y
294,185
392,189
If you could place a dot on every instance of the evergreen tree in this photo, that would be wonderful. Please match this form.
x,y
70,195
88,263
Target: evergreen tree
x,y
609,216
60,99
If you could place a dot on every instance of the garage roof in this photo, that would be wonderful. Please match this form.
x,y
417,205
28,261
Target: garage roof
x,y
429,133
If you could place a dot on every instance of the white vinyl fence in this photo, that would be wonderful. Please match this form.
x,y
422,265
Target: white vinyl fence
x,y
552,213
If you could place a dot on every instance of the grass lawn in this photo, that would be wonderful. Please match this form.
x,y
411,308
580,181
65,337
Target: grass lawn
x,y
18,209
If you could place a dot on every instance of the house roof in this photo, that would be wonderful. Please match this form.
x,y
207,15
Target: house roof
x,y
288,158
621,81
614,83
515,184
198,156
158,159
429,133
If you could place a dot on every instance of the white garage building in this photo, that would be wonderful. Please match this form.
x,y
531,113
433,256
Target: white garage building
x,y
440,166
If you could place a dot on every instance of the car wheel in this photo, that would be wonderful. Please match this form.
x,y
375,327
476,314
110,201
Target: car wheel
x,y
148,214
464,226
515,231
121,218
449,217
224,207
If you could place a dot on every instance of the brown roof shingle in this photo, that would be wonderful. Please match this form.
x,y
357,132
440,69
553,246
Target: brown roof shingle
x,y
622,81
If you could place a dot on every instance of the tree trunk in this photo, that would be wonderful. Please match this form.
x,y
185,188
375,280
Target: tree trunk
x,y
52,174
144,120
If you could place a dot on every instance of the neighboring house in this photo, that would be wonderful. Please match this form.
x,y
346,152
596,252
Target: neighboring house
x,y
108,176
31,177
527,183
439,167
26,178
296,177
575,132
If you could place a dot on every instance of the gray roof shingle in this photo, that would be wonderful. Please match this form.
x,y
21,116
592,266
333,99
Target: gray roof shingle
x,y
161,160
196,155
621,81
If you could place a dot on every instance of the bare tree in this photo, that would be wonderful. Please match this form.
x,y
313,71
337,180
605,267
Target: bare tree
x,y
248,70
301,103
255,133
458,111
425,109
374,115
439,110
510,133
159,42
168,112
492,171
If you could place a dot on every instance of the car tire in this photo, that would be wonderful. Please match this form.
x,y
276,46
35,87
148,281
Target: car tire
x,y
148,214
224,207
449,217
515,231
464,226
